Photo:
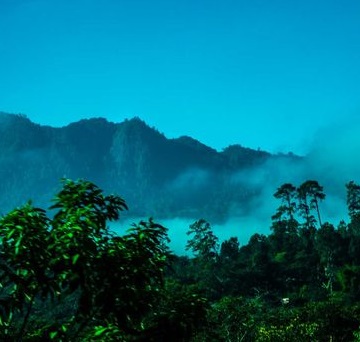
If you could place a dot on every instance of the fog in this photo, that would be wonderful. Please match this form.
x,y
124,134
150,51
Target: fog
x,y
332,161
242,227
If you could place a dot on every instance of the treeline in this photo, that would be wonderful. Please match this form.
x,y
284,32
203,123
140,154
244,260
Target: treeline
x,y
69,278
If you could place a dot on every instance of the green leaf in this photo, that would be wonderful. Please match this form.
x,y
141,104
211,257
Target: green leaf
x,y
10,234
75,258
100,331
17,245
53,334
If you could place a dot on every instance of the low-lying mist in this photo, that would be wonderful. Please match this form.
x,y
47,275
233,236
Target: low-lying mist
x,y
242,227
332,161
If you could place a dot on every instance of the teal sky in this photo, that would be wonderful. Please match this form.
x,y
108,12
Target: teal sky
x,y
263,74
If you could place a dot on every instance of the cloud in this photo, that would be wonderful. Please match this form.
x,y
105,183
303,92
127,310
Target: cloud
x,y
242,227
333,160
193,178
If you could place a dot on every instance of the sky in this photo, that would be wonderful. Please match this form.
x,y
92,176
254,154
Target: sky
x,y
265,74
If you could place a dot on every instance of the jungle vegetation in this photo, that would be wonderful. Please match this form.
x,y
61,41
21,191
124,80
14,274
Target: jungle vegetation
x,y
65,276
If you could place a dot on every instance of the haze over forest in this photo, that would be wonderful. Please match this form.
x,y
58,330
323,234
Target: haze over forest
x,y
180,170
174,180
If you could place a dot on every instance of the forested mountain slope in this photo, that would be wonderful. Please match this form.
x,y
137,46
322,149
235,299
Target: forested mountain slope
x,y
158,176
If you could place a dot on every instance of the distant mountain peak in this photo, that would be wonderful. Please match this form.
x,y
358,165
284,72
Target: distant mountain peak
x,y
194,143
12,118
156,175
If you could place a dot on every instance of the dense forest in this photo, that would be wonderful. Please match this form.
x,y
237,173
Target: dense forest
x,y
158,176
66,277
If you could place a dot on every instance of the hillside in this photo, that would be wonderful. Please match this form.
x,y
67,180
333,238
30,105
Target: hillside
x,y
157,176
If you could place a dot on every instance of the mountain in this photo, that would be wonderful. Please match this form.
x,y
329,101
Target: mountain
x,y
157,176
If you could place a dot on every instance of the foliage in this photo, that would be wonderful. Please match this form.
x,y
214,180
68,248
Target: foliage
x,y
65,276
204,244
113,280
239,318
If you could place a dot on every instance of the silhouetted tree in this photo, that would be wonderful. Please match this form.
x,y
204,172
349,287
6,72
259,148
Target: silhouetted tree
x,y
287,194
203,243
309,195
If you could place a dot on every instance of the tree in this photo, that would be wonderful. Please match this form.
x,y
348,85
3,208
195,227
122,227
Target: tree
x,y
25,272
330,247
309,195
353,198
284,239
229,250
353,203
204,244
304,207
114,282
287,194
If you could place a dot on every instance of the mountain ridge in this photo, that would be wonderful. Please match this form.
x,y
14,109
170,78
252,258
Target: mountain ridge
x,y
129,158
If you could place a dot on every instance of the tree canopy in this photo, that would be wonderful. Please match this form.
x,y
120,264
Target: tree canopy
x,y
65,276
